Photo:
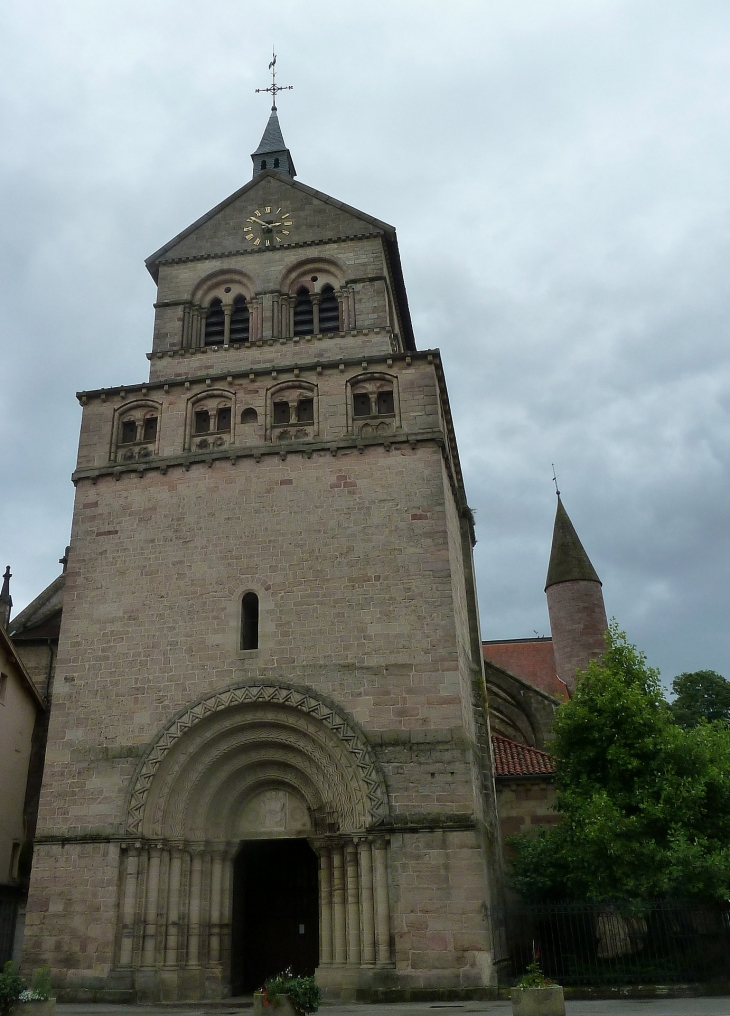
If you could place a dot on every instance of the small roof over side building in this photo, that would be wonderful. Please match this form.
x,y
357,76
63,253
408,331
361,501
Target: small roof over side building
x,y
519,760
42,617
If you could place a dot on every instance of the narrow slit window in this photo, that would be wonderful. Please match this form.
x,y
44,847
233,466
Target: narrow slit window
x,y
329,310
239,320
386,406
305,411
250,621
150,428
129,431
361,404
215,323
202,421
303,313
223,419
281,412
276,163
263,163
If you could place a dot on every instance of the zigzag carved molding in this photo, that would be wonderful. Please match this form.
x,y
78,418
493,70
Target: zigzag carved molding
x,y
275,694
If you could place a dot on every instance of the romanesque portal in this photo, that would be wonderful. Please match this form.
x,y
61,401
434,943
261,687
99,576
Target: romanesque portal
x,y
240,800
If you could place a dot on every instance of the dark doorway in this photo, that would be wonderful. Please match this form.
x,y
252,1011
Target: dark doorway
x,y
275,912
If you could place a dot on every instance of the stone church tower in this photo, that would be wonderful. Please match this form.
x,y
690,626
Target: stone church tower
x,y
268,745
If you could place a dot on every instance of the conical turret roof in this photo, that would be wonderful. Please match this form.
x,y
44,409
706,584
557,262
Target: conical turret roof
x,y
568,559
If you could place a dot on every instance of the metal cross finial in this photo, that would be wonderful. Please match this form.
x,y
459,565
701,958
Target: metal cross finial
x,y
555,479
273,87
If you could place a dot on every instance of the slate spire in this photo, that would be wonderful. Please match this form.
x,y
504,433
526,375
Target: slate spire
x,y
6,600
272,152
568,559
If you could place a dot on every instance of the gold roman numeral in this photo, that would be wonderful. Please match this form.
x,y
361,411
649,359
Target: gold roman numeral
x,y
257,241
268,208
249,236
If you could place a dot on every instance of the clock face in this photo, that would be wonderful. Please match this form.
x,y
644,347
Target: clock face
x,y
268,226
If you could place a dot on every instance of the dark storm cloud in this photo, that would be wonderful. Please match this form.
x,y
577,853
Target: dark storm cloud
x,y
558,174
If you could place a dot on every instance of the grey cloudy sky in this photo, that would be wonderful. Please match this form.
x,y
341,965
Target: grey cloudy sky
x,y
559,176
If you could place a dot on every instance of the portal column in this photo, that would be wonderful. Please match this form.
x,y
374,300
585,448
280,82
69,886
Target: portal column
x,y
338,906
325,906
153,887
129,906
227,908
173,907
196,881
382,907
366,903
216,886
353,906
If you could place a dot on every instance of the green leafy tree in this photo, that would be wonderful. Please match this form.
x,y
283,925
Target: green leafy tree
x,y
645,803
702,695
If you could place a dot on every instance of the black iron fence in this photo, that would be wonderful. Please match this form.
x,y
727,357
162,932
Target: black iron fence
x,y
585,944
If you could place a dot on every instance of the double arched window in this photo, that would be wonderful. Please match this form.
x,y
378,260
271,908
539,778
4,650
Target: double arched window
x,y
303,312
136,431
215,323
218,420
329,310
318,314
238,330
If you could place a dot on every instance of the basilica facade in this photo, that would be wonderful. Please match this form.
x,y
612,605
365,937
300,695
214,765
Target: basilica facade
x,y
269,742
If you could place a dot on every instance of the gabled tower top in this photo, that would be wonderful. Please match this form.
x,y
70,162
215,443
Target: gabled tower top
x,y
272,152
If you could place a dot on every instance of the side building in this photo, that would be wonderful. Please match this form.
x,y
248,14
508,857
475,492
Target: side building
x,y
22,714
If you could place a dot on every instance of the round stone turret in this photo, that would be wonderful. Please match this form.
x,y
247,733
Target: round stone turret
x,y
575,602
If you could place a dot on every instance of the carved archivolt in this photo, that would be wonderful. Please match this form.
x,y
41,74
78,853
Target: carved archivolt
x,y
212,760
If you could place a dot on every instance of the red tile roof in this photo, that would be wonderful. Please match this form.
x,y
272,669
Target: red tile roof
x,y
513,759
532,660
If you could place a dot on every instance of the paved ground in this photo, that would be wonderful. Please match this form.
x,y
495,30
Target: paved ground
x,y
625,1007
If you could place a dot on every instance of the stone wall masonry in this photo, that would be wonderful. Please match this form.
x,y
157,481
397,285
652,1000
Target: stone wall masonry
x,y
271,354
525,805
440,895
415,391
71,915
350,560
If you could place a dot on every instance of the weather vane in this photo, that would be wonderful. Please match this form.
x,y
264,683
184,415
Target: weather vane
x,y
555,479
273,87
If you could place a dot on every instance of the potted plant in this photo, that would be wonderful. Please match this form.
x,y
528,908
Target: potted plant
x,y
536,995
36,1000
11,986
292,996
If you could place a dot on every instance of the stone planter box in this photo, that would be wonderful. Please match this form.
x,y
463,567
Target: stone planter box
x,y
47,1008
284,1007
538,1001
